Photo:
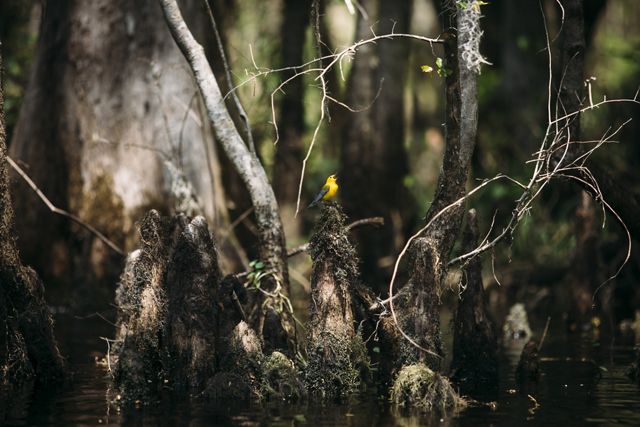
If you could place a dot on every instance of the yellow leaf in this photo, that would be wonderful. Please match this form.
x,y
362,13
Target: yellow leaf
x,y
426,69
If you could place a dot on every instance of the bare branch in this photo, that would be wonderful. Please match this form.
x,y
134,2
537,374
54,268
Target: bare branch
x,y
62,212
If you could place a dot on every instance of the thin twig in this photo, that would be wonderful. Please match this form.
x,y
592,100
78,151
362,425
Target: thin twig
x,y
62,212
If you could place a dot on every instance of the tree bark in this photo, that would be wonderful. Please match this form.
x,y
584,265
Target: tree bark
x,y
271,235
104,132
27,346
475,360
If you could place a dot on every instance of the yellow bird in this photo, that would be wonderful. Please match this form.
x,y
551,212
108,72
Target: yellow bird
x,y
329,189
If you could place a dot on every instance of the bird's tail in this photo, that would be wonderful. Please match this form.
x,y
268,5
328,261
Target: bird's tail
x,y
315,201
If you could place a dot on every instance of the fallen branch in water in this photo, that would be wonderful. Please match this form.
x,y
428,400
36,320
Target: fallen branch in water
x,y
62,212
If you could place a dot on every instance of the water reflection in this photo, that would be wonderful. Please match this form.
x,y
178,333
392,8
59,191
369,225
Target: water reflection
x,y
582,381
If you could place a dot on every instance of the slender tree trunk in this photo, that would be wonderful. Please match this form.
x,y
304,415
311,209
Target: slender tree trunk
x,y
289,151
419,307
374,159
270,231
583,275
475,359
27,346
109,127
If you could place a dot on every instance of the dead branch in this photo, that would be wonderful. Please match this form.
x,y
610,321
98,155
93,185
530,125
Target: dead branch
x,y
62,212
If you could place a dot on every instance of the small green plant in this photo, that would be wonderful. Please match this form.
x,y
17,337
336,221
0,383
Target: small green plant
x,y
443,71
256,274
440,66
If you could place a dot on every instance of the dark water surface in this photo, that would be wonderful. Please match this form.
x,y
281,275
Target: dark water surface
x,y
582,382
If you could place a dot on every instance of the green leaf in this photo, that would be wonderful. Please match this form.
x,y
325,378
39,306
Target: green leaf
x,y
426,68
439,62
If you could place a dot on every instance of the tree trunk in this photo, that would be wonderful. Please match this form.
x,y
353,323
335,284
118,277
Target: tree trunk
x,y
335,349
475,360
373,157
105,133
270,232
27,346
289,151
583,274
418,305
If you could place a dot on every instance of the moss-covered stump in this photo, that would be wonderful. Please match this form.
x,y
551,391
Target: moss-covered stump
x,y
240,363
334,347
474,367
166,309
281,378
417,309
417,386
181,328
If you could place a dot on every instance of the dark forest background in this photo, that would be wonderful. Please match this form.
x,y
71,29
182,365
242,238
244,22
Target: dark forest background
x,y
103,113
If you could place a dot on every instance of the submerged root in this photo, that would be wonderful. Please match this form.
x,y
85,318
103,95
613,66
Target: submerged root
x,y
417,386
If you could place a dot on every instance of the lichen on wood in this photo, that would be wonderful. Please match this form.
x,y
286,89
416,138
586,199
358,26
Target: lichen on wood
x,y
335,350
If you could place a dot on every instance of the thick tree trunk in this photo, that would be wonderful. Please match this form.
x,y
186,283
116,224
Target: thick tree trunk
x,y
583,274
105,133
27,346
374,160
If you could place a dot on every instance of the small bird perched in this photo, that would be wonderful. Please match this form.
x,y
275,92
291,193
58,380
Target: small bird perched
x,y
329,189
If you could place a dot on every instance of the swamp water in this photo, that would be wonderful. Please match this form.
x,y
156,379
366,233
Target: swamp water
x,y
582,382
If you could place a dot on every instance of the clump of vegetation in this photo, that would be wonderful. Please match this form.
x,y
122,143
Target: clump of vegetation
x,y
419,387
281,378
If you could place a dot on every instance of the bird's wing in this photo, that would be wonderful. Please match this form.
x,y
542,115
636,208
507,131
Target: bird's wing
x,y
320,195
